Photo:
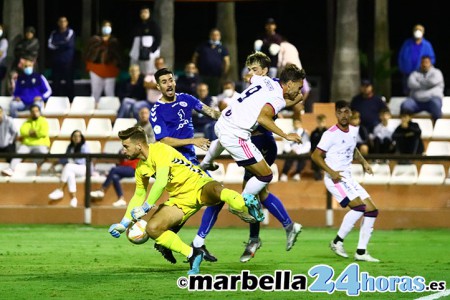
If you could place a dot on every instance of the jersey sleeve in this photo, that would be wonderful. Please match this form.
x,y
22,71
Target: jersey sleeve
x,y
325,142
159,125
138,177
194,103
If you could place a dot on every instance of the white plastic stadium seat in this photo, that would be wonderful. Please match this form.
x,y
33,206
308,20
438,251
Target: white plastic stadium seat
x,y
59,147
82,106
4,103
394,105
69,125
47,175
394,123
234,173
441,129
24,172
404,174
437,148
122,124
446,106
426,126
53,127
447,179
107,106
285,124
219,174
94,146
112,146
56,106
431,174
381,174
4,165
99,127
357,171
18,122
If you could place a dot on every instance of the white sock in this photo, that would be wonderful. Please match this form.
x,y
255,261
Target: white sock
x,y
215,149
348,222
198,241
365,232
254,186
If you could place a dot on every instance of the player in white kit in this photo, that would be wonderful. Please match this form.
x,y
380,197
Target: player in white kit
x,y
258,105
338,145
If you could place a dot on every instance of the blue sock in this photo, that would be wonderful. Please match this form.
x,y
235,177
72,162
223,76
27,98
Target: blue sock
x,y
209,219
276,208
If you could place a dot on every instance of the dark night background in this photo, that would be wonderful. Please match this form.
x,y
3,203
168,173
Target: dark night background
x,y
303,23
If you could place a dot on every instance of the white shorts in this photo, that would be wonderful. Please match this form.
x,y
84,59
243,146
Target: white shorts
x,y
244,152
346,190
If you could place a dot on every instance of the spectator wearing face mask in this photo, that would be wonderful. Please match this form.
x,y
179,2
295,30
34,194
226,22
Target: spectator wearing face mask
x,y
228,94
31,89
411,52
102,56
187,82
213,61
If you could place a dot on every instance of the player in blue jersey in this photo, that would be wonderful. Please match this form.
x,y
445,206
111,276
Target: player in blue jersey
x,y
171,119
258,64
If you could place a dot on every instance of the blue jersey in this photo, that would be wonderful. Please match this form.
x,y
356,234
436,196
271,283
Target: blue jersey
x,y
174,120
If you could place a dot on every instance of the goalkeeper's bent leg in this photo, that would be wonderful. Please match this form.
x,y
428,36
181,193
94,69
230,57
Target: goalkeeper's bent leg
x,y
172,241
233,199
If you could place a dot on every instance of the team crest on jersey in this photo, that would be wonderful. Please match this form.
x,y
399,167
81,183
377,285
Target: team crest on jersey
x,y
268,84
183,104
157,129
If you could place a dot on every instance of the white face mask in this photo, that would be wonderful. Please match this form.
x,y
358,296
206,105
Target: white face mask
x,y
1,32
228,93
418,34
106,30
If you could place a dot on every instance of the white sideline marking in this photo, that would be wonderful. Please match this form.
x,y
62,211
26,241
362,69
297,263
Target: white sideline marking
x,y
435,296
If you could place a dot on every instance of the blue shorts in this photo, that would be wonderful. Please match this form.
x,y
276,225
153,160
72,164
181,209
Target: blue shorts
x,y
266,144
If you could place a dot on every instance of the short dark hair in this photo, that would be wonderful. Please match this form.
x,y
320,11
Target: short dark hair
x,y
384,110
33,106
321,117
406,112
341,104
292,73
258,58
135,133
162,72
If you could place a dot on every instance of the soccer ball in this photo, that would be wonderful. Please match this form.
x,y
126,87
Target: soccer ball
x,y
136,233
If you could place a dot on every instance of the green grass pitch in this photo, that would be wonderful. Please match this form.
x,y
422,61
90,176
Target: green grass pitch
x,y
85,262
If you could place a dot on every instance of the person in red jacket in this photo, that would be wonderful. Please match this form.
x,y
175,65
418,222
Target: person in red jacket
x,y
125,169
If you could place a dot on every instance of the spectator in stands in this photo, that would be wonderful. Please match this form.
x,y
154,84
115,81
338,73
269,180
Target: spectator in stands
x,y
146,43
8,134
213,61
202,123
368,104
31,88
153,94
362,140
144,122
408,136
426,87
27,47
34,133
62,50
269,43
411,52
187,82
124,169
294,150
73,167
131,92
102,55
228,95
3,52
382,141
315,137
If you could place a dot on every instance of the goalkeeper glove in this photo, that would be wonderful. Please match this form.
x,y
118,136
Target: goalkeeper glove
x,y
138,212
116,229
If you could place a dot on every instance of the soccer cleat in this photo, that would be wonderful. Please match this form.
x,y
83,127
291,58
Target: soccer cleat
x,y
250,250
365,257
254,207
8,172
166,253
120,203
242,215
206,254
292,235
97,194
56,194
209,167
338,248
73,202
195,260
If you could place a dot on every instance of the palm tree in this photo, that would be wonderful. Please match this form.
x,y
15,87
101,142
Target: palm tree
x,y
382,53
164,15
226,22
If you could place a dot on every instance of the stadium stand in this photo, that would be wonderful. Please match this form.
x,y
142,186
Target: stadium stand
x,y
56,106
431,174
381,174
99,128
404,174
82,106
358,172
441,130
71,124
107,106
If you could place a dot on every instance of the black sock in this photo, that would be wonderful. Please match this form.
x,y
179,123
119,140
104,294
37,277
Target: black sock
x,y
337,239
360,251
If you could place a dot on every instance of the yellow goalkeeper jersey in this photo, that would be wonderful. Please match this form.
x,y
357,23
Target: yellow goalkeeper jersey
x,y
183,175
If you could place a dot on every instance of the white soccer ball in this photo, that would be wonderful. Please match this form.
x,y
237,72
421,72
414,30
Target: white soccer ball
x,y
136,233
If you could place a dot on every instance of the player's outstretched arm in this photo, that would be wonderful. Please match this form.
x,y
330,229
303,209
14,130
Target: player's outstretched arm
x,y
210,112
317,157
358,157
265,119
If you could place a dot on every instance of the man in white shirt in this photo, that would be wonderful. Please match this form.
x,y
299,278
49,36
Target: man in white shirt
x,y
338,144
